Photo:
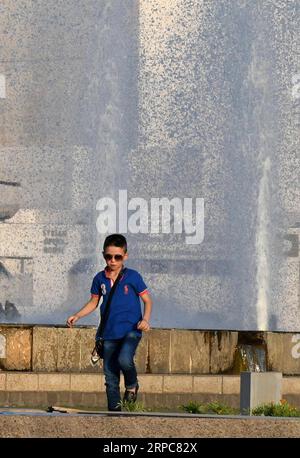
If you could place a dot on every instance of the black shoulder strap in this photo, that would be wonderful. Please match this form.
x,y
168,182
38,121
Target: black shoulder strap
x,y
104,317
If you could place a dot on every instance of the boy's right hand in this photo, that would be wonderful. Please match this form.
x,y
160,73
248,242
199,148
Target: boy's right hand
x,y
72,320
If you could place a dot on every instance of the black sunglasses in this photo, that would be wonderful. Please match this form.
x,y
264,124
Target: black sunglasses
x,y
108,257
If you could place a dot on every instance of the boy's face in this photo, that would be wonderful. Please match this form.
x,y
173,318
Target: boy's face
x,y
114,257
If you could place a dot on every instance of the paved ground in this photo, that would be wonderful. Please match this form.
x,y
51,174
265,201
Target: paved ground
x,y
31,423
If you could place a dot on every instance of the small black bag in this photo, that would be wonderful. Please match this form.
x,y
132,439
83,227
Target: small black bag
x,y
99,344
99,348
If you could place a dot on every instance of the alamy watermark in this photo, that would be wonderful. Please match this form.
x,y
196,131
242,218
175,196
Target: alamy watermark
x,y
160,215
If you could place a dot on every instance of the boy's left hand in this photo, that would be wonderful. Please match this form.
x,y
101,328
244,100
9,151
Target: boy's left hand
x,y
143,325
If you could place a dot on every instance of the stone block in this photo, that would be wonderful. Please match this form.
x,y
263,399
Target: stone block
x,y
53,398
291,385
159,351
177,384
15,398
2,382
18,348
54,382
21,382
68,349
2,346
76,398
181,351
189,352
94,401
4,398
283,352
87,383
259,388
222,350
142,355
44,349
231,384
151,383
207,384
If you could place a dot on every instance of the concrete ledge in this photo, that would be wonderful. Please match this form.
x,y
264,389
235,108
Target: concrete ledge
x,y
160,383
231,384
152,383
156,391
177,384
21,382
291,385
54,382
87,383
97,400
2,382
15,425
208,384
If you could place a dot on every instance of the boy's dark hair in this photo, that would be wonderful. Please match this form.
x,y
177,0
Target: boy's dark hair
x,y
115,240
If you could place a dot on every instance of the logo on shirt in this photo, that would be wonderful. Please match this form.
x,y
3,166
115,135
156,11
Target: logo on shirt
x,y
103,289
125,289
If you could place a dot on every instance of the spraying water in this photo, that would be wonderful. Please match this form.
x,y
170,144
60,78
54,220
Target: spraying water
x,y
262,248
177,99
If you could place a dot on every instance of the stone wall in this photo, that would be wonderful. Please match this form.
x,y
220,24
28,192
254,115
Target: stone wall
x,y
161,351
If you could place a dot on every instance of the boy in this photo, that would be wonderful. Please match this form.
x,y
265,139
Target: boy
x,y
125,323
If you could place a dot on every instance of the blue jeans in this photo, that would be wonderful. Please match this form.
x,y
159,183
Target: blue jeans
x,y
118,356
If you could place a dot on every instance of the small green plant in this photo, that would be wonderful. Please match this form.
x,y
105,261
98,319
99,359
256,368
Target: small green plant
x,y
216,408
129,406
283,409
220,409
193,407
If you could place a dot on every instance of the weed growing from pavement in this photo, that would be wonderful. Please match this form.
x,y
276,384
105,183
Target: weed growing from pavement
x,y
213,408
283,409
130,406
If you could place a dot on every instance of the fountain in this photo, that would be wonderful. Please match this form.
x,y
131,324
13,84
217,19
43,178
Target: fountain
x,y
175,100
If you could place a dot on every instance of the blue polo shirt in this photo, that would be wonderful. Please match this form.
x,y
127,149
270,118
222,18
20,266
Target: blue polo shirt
x,y
125,308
